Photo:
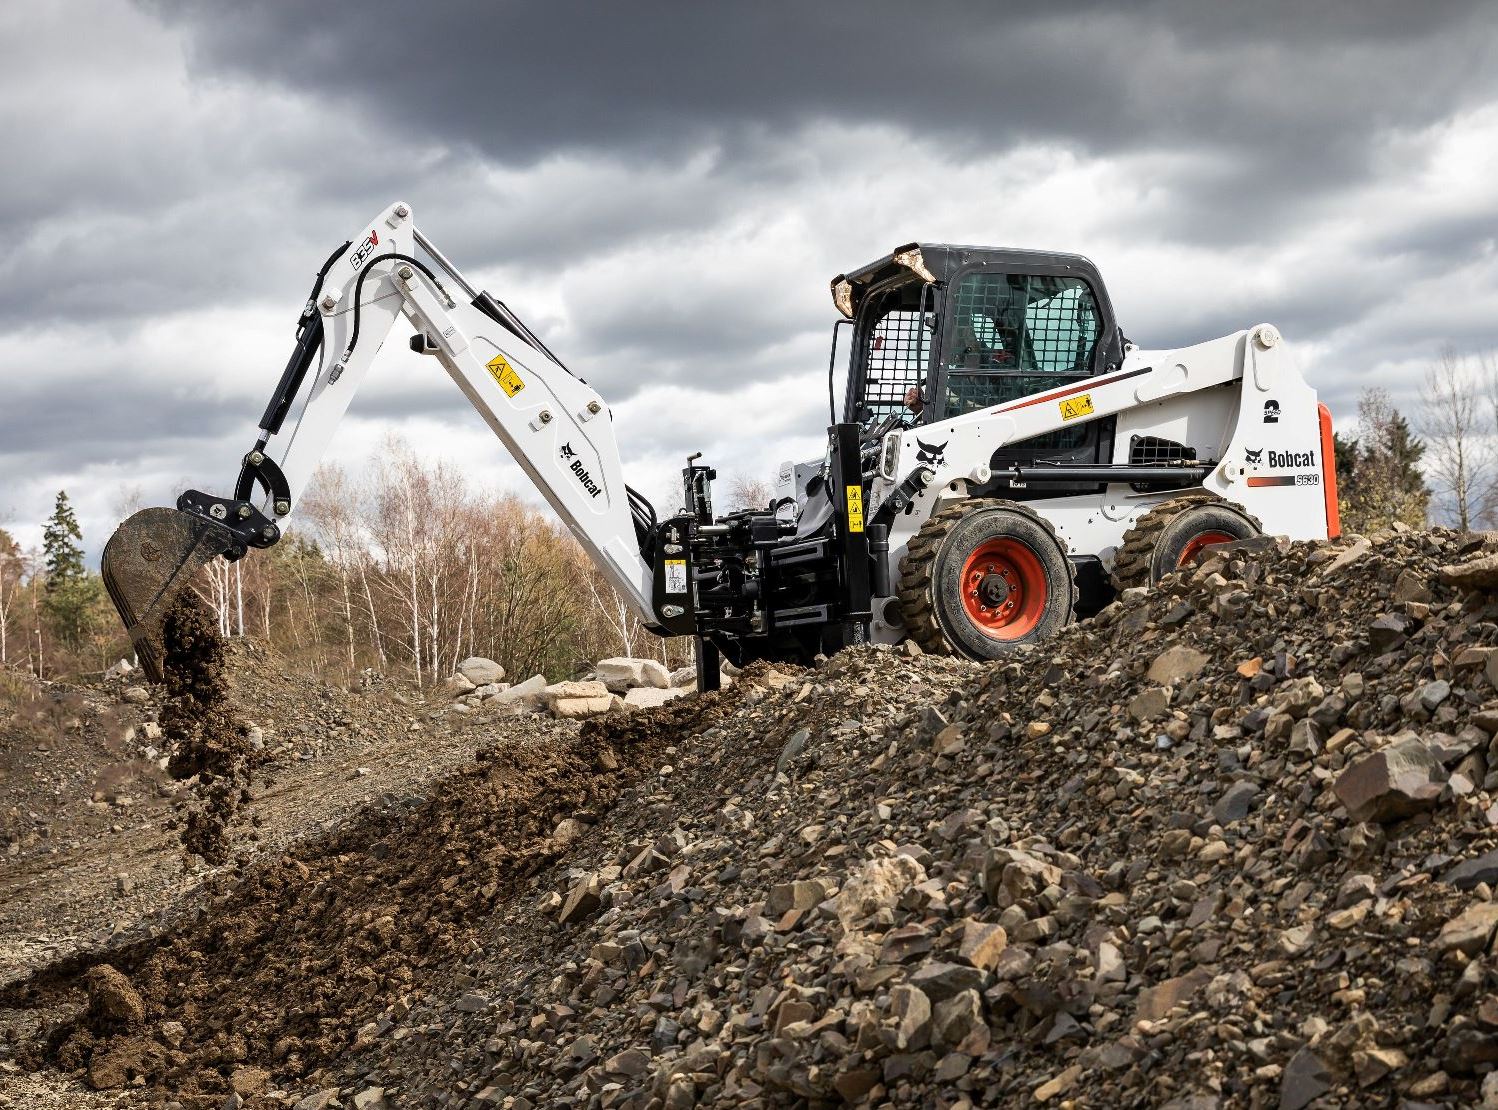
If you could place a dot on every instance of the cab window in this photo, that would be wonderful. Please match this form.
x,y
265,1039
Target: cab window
x,y
893,351
1017,334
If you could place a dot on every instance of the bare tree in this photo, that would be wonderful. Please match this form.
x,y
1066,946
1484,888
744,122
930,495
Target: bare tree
x,y
329,507
748,493
12,572
1459,454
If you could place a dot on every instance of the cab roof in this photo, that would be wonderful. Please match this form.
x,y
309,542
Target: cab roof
x,y
940,262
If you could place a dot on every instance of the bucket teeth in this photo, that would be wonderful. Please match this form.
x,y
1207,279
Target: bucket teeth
x,y
148,561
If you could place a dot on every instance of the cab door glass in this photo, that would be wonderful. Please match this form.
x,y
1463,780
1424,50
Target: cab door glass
x,y
1015,335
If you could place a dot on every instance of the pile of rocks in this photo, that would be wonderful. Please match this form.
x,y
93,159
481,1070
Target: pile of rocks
x,y
613,685
1231,843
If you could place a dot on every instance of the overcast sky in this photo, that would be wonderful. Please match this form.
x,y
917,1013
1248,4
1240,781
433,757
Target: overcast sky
x,y
664,189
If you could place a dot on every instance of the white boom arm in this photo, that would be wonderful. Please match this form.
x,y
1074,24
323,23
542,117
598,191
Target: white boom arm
x,y
556,427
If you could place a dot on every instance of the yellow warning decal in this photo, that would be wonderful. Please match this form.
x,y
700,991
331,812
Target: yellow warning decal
x,y
855,508
504,374
676,576
1073,407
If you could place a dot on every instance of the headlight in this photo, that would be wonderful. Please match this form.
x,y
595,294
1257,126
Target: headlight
x,y
842,296
890,458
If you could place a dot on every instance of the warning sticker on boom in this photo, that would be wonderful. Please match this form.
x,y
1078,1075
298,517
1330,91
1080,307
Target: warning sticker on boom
x,y
1073,407
855,508
504,375
676,576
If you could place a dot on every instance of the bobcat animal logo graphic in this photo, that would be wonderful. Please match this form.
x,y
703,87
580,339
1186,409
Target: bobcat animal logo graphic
x,y
567,451
1253,457
932,454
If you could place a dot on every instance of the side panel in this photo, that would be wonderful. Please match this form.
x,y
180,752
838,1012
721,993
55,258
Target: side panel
x,y
1272,465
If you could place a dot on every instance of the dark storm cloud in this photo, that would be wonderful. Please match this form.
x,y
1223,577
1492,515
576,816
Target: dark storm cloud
x,y
663,189
1303,85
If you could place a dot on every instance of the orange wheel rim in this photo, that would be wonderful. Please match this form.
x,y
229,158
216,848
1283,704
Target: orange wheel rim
x,y
1004,589
1197,543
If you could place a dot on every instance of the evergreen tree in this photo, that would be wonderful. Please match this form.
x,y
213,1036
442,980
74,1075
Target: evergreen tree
x,y
62,543
71,593
1378,474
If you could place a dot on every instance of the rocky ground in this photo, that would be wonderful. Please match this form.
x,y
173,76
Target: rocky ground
x,y
93,822
1233,842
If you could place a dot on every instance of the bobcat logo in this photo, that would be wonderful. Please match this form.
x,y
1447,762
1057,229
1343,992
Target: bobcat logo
x,y
1253,457
932,454
567,451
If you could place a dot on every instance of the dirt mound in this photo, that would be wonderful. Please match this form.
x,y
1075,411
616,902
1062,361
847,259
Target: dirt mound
x,y
1231,843
290,963
1120,871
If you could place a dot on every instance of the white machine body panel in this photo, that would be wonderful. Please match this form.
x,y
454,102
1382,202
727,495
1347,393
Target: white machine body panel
x,y
556,426
1240,402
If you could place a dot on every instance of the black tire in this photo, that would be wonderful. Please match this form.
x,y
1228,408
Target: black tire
x,y
1162,537
1030,575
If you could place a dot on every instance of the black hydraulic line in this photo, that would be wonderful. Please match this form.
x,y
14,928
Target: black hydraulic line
x,y
309,335
643,513
393,256
492,306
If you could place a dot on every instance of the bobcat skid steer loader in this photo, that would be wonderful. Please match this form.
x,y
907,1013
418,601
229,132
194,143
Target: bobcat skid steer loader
x,y
1004,459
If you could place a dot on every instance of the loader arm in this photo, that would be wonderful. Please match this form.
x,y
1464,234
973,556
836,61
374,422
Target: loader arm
x,y
553,423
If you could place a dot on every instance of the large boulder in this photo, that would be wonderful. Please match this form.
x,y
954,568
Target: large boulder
x,y
1396,781
577,699
623,673
620,673
649,697
480,671
523,695
1475,574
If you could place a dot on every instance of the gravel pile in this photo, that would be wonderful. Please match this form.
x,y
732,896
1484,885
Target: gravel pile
x,y
1230,843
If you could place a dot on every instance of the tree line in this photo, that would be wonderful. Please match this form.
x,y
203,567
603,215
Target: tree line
x,y
406,572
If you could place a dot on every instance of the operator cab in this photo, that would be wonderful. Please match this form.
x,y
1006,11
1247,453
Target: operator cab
x,y
971,328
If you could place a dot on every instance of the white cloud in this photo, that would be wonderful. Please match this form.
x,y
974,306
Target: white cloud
x,y
162,242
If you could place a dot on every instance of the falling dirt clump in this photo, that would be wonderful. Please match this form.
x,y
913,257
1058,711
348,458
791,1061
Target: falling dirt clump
x,y
205,737
112,1000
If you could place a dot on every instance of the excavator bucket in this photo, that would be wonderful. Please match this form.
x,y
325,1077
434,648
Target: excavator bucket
x,y
148,561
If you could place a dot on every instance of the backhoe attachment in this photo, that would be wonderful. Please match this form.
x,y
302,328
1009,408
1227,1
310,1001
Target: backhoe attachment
x,y
148,561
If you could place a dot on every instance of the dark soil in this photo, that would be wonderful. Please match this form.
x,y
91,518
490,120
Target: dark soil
x,y
205,738
291,961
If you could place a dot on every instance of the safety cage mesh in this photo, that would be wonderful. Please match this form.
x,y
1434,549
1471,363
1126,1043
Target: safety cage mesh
x,y
1015,335
899,349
